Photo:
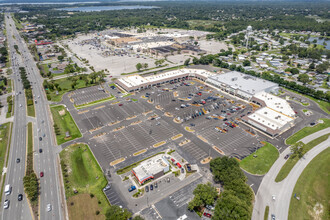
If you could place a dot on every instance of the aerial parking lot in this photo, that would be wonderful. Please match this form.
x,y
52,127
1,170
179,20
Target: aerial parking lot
x,y
208,121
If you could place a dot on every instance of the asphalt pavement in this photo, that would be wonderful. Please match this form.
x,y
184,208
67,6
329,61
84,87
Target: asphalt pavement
x,y
15,171
282,190
45,161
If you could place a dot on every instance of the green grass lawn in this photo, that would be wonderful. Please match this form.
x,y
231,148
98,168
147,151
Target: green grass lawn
x,y
289,164
4,138
65,85
313,189
64,123
82,172
266,213
307,131
260,165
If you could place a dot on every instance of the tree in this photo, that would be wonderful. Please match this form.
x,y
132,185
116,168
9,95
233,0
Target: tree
x,y
246,63
205,194
311,66
225,170
321,68
294,71
186,62
117,213
145,66
297,150
138,217
304,78
60,58
229,207
138,66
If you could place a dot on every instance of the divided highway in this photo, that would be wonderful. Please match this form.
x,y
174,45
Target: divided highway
x,y
46,161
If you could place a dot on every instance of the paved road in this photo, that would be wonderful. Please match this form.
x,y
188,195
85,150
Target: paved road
x,y
45,161
16,171
318,134
282,190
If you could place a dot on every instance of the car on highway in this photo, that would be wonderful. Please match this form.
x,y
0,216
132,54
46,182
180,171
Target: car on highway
x,y
273,217
20,197
49,207
6,204
40,150
40,138
207,215
41,174
18,160
20,105
44,135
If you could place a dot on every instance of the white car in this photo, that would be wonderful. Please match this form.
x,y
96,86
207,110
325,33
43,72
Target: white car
x,y
6,204
49,207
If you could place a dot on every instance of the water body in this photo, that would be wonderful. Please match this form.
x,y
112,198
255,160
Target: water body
x,y
106,8
320,41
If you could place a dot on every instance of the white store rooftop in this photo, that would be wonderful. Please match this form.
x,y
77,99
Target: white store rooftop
x,y
276,103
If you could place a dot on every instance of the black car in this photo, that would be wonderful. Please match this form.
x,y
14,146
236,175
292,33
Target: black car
x,y
18,160
40,138
156,185
312,124
20,197
147,188
40,150
151,187
287,156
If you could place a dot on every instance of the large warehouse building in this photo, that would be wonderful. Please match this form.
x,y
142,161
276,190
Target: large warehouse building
x,y
241,85
275,116
152,168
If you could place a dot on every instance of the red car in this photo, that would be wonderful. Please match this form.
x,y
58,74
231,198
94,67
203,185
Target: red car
x,y
41,174
172,160
228,113
207,215
178,164
120,104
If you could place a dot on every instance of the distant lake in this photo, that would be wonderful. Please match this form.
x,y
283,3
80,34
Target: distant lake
x,y
106,8
320,41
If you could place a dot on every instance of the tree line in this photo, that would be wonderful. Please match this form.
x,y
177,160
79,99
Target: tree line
x,y
228,18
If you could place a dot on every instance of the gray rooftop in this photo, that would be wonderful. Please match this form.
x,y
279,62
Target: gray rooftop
x,y
243,82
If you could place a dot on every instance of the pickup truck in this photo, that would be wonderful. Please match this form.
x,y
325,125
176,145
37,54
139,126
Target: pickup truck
x,y
131,188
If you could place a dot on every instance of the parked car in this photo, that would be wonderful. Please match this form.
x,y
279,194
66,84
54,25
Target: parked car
x,y
156,185
207,215
120,104
287,156
147,188
131,188
151,187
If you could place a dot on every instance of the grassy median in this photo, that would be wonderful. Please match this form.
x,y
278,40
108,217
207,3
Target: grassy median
x,y
262,162
81,172
4,138
313,190
293,159
63,123
307,131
